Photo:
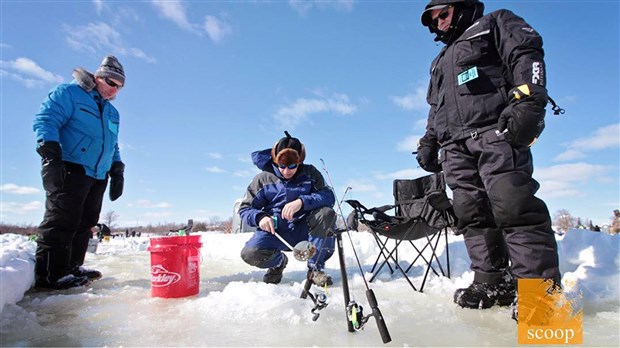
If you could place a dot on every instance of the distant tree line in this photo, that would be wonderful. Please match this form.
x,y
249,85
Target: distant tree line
x,y
165,228
564,221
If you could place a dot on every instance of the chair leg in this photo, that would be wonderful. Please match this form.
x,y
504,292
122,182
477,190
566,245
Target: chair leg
x,y
445,231
382,250
396,265
430,264
387,258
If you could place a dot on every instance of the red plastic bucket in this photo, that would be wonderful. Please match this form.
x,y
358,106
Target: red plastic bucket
x,y
175,264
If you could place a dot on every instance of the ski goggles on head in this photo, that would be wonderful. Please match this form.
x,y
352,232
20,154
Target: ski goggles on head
x,y
290,166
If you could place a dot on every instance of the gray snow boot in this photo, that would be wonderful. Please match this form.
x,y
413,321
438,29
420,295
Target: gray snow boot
x,y
320,278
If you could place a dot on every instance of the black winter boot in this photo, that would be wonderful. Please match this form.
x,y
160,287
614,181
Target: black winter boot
x,y
274,274
91,274
67,282
485,295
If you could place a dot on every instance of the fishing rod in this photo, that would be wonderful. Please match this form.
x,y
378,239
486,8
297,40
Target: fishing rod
x,y
355,316
321,300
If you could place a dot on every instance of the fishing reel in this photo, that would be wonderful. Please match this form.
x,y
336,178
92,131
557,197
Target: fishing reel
x,y
355,314
320,300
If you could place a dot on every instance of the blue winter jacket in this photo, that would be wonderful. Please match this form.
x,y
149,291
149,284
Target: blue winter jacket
x,y
269,192
84,124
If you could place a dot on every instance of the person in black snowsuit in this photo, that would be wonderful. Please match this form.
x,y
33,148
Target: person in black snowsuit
x,y
487,97
104,230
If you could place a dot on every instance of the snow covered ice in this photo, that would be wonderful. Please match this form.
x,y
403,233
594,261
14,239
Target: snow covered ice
x,y
235,308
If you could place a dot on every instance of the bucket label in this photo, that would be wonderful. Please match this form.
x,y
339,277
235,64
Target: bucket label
x,y
161,277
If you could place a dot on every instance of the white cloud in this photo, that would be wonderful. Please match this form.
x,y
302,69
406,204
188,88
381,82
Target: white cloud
x,y
291,115
362,186
421,123
98,5
415,100
304,6
401,174
158,214
603,138
409,144
20,208
145,203
215,169
19,190
366,191
29,73
174,11
244,159
216,28
100,38
215,155
247,173
565,180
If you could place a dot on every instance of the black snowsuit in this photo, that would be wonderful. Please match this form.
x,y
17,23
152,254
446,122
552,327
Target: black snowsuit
x,y
491,180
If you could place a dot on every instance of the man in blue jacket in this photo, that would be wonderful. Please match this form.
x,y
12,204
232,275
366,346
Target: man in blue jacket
x,y
77,138
289,198
487,97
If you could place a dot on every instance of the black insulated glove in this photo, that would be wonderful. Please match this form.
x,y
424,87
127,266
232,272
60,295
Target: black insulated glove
x,y
523,119
117,180
428,155
52,167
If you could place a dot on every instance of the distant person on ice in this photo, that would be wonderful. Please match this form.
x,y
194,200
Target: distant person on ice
x,y
487,101
77,137
296,196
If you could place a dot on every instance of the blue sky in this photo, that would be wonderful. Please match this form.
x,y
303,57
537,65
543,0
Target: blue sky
x,y
208,82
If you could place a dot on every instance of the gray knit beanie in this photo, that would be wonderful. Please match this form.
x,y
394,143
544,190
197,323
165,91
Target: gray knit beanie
x,y
111,68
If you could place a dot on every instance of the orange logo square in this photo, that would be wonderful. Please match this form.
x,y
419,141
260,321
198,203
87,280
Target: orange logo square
x,y
545,315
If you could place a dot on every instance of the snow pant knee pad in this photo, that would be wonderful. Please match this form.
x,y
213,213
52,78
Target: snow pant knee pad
x,y
471,210
261,258
514,203
320,221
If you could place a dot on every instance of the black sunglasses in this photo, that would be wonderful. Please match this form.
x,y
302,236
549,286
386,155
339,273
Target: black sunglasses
x,y
442,15
112,83
290,166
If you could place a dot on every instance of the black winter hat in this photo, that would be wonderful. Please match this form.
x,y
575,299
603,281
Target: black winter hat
x,y
288,150
439,4
111,68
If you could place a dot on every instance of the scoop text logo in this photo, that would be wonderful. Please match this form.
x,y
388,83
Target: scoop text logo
x,y
546,316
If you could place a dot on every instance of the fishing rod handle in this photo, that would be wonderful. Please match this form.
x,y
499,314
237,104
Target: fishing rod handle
x,y
383,330
306,290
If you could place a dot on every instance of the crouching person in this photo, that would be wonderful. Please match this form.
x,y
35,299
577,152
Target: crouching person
x,y
289,198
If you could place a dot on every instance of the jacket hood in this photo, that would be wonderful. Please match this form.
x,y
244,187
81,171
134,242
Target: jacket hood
x,y
466,12
262,160
84,78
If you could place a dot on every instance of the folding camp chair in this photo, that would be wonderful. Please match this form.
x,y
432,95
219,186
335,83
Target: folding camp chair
x,y
423,213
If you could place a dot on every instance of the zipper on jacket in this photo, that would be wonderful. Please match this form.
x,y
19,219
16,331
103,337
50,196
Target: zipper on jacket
x,y
102,111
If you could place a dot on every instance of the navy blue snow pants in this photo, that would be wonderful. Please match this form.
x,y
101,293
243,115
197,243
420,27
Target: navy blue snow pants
x,y
264,250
